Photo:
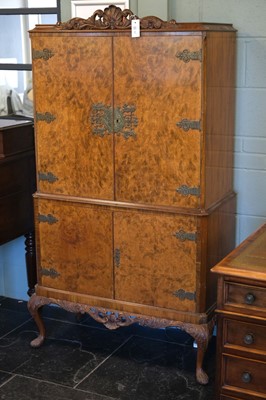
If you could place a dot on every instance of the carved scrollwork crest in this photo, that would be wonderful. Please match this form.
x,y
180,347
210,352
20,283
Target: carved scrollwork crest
x,y
113,17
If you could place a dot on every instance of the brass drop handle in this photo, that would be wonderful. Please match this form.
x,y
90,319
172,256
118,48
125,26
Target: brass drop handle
x,y
117,257
249,298
249,338
246,377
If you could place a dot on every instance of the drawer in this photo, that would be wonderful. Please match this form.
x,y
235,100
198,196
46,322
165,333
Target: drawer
x,y
15,137
16,213
16,174
247,297
244,374
251,337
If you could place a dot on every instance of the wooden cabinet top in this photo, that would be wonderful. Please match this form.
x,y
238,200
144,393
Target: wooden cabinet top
x,y
6,123
248,260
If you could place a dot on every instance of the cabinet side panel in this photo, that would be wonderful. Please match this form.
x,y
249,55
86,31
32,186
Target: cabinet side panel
x,y
73,95
220,111
220,242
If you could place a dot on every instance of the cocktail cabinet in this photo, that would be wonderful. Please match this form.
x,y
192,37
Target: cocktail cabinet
x,y
134,153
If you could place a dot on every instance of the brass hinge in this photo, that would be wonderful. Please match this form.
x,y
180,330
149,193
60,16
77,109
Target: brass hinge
x,y
186,190
183,236
49,177
49,218
46,117
183,295
50,272
46,54
187,55
187,125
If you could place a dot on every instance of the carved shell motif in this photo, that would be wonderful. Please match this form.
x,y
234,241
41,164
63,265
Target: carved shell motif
x,y
113,17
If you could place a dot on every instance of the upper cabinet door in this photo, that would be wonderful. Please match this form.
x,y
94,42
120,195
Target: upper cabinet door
x,y
157,119
73,93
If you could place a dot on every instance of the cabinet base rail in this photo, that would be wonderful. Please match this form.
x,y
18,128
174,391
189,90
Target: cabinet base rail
x,y
112,319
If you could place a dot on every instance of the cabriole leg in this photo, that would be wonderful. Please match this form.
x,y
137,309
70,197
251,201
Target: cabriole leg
x,y
202,336
201,375
34,304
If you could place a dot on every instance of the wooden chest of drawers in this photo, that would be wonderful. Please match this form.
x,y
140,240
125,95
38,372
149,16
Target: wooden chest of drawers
x,y
17,184
134,142
241,308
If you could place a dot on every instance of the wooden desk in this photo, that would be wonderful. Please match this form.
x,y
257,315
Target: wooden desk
x,y
241,309
17,184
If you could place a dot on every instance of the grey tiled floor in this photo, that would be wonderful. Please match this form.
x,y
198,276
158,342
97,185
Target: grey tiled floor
x,y
85,361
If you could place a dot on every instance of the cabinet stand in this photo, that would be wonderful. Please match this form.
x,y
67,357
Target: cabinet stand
x,y
114,319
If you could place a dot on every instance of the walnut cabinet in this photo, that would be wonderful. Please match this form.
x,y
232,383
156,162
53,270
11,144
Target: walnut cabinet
x,y
134,155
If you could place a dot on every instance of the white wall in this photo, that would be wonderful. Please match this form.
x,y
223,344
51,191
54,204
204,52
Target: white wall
x,y
13,275
250,146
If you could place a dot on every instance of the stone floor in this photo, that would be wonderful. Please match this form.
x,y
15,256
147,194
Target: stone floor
x,y
85,361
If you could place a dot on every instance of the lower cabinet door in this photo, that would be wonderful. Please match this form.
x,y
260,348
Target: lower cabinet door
x,y
155,259
74,247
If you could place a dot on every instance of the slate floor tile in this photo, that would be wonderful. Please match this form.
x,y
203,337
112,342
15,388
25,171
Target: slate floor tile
x,y
10,320
148,369
23,388
69,353
4,376
83,360
14,304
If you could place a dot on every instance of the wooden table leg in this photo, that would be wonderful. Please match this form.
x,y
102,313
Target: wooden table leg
x,y
30,256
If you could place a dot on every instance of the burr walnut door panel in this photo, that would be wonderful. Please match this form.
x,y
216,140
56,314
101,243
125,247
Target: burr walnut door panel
x,y
74,248
155,259
158,146
72,78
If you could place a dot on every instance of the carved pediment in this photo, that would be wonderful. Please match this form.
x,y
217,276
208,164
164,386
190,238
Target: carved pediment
x,y
112,18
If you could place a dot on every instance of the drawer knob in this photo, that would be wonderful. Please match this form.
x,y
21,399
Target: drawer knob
x,y
248,338
249,298
246,377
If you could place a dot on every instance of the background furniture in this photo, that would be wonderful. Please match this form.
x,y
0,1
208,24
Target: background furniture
x,y
134,141
241,308
17,184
